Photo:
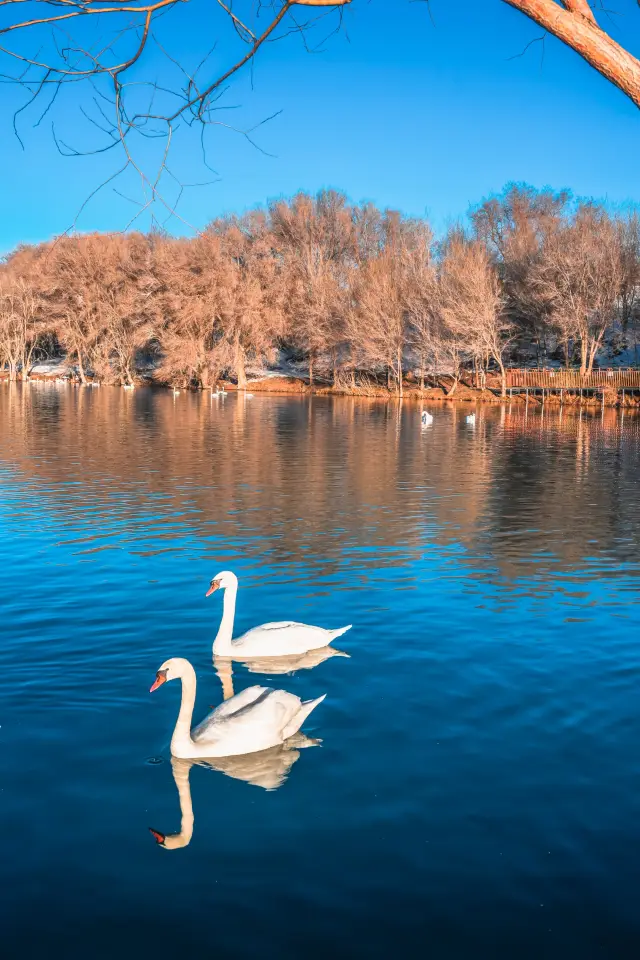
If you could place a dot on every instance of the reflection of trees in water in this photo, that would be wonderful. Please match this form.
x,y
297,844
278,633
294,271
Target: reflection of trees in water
x,y
320,479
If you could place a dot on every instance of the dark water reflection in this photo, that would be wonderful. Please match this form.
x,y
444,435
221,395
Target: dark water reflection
x,y
477,791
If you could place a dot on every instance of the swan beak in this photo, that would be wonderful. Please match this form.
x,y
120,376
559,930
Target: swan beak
x,y
159,837
213,586
161,677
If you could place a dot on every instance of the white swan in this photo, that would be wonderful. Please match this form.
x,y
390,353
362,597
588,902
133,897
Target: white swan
x,y
471,418
256,719
279,639
426,418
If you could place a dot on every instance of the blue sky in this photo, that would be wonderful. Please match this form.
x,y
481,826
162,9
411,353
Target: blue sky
x,y
423,116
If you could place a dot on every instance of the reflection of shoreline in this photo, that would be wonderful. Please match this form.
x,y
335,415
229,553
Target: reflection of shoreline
x,y
323,482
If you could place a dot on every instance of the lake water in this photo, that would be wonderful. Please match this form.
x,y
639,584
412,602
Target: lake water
x,y
477,790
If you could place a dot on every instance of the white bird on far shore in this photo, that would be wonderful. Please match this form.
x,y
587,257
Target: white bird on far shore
x,y
471,418
426,418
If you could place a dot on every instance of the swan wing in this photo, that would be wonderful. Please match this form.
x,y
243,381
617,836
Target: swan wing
x,y
281,638
233,707
259,721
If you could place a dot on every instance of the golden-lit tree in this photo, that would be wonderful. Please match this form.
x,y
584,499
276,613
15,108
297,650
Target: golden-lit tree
x,y
579,279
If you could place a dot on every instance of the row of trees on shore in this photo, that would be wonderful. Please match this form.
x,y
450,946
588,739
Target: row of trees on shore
x,y
351,291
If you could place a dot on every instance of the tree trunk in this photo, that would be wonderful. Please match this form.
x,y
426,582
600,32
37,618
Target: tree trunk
x,y
83,375
583,356
239,363
503,377
575,25
400,385
452,390
13,371
593,349
389,378
566,353
311,369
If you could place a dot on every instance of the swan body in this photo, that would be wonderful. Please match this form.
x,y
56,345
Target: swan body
x,y
255,719
471,418
283,638
426,418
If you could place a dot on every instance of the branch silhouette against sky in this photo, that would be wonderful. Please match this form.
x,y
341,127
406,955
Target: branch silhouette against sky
x,y
135,90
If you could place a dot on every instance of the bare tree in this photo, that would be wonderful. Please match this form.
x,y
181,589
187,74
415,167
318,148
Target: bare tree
x,y
72,280
471,303
377,324
422,304
195,283
20,329
515,225
253,314
315,237
628,228
579,278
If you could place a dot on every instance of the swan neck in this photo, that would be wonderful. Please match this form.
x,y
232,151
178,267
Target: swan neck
x,y
182,732
181,771
222,642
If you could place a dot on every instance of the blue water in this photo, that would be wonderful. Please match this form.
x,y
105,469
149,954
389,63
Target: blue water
x,y
477,790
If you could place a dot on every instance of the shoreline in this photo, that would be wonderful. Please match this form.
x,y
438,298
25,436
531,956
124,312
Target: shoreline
x,y
288,385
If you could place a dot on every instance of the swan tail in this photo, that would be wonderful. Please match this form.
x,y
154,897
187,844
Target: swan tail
x,y
338,633
306,707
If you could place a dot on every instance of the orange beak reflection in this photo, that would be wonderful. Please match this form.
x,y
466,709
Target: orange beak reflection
x,y
161,677
159,837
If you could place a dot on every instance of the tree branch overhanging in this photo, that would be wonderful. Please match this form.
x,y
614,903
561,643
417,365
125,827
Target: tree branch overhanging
x,y
111,37
575,25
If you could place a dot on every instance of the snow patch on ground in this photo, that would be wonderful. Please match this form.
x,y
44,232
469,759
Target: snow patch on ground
x,y
58,367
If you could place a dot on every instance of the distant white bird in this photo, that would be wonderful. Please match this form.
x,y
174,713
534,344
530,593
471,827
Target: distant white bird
x,y
471,418
176,393
426,418
129,386
248,396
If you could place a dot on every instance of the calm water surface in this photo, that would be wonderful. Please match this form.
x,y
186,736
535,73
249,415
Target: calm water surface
x,y
477,790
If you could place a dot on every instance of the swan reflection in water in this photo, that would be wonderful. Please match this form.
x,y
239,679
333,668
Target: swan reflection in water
x,y
267,769
272,666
